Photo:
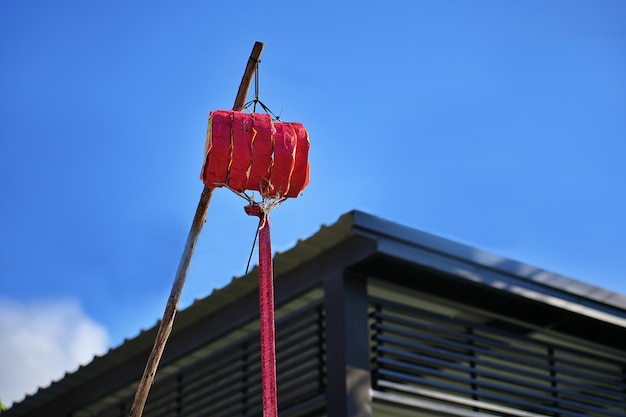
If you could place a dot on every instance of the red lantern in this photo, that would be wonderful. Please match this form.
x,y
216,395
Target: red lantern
x,y
251,152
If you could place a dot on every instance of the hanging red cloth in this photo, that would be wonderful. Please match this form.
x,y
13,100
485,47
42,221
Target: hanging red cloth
x,y
251,152
266,304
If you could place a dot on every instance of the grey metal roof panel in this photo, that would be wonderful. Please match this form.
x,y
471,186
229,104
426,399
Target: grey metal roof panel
x,y
381,230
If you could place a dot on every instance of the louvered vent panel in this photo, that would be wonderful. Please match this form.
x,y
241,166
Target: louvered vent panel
x,y
227,382
419,355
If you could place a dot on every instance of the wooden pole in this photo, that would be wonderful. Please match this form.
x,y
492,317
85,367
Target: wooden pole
x,y
165,327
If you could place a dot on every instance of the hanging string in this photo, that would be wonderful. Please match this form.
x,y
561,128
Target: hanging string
x,y
253,103
256,235
256,85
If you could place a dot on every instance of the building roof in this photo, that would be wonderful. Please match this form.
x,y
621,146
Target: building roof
x,y
393,241
483,267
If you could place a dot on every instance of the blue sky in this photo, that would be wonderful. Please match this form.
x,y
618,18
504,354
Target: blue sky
x,y
497,124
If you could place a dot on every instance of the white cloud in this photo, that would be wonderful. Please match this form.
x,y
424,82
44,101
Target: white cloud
x,y
40,341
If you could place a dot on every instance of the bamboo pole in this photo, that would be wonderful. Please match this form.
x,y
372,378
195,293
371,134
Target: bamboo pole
x,y
165,327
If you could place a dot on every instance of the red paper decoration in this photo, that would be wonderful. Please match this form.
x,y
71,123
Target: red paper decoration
x,y
252,152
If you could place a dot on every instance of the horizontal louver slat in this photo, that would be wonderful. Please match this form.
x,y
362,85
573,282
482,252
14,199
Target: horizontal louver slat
x,y
476,363
227,381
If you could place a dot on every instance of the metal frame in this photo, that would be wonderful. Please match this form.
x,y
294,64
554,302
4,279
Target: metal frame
x,y
349,377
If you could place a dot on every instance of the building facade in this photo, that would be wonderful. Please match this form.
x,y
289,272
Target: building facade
x,y
375,319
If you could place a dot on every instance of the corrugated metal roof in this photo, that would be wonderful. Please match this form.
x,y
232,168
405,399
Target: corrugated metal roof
x,y
393,239
304,250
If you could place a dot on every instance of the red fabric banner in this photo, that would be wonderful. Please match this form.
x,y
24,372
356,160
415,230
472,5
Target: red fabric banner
x,y
284,154
241,154
262,149
300,173
266,309
218,147
251,152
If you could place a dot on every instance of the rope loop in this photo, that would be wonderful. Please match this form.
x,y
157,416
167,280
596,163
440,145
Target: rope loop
x,y
251,105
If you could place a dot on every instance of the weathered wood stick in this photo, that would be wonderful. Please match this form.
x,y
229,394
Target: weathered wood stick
x,y
165,327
